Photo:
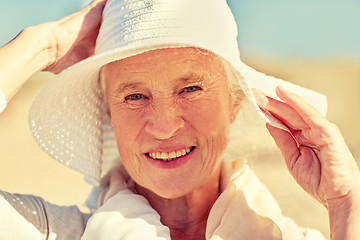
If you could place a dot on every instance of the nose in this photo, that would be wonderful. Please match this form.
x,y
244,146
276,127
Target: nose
x,y
164,121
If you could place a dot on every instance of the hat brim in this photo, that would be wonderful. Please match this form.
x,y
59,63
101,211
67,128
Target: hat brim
x,y
68,121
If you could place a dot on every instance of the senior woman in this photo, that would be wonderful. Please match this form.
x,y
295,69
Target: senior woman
x,y
165,87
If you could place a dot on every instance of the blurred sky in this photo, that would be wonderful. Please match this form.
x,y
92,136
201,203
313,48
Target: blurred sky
x,y
283,28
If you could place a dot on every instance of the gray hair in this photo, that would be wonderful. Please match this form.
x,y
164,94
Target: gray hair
x,y
234,87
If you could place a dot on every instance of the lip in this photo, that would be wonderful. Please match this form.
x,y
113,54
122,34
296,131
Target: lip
x,y
178,162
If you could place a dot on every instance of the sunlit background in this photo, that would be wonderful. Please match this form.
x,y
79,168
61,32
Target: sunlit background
x,y
284,28
313,43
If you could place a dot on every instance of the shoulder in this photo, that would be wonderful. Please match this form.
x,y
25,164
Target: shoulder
x,y
38,218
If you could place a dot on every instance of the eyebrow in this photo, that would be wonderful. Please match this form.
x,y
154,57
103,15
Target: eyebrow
x,y
191,77
128,86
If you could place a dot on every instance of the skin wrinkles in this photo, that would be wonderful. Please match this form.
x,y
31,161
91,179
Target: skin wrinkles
x,y
315,153
166,106
127,87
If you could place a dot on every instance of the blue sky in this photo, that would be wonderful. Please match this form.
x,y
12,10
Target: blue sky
x,y
299,28
285,28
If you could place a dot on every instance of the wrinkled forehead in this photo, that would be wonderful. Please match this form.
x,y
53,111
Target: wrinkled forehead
x,y
184,59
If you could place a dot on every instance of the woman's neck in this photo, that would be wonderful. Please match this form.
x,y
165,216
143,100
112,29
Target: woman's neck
x,y
186,216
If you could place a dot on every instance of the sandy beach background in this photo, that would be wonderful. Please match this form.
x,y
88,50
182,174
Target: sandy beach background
x,y
26,169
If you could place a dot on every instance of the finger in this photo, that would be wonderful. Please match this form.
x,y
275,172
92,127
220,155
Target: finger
x,y
280,110
96,2
286,144
308,113
95,8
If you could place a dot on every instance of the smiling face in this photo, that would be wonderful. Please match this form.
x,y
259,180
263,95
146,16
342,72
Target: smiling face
x,y
171,110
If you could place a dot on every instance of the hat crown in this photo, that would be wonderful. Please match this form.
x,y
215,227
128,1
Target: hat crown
x,y
207,24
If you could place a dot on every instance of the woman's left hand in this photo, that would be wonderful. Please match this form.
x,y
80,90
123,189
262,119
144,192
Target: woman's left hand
x,y
315,151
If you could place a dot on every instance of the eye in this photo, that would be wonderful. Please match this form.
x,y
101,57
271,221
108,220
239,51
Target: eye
x,y
135,97
192,89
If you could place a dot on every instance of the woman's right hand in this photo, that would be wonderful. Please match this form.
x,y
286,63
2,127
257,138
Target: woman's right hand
x,y
73,37
52,46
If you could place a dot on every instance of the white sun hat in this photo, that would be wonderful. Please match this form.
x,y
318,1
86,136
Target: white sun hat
x,y
67,117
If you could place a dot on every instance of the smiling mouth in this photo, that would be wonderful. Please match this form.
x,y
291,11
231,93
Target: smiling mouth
x,y
169,156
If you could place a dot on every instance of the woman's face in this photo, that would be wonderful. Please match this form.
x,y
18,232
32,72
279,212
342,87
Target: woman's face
x,y
171,111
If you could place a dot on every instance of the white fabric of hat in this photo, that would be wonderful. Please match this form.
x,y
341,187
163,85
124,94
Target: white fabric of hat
x,y
67,118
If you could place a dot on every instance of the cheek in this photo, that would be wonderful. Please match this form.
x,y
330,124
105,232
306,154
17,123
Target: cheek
x,y
127,123
127,126
209,116
211,121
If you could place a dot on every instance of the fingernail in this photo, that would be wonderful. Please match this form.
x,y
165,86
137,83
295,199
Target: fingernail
x,y
281,90
260,97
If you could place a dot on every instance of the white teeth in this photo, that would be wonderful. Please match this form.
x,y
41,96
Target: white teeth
x,y
164,155
183,151
172,154
178,153
167,156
